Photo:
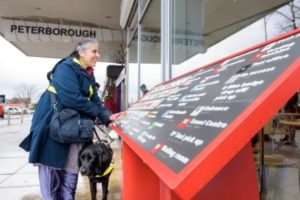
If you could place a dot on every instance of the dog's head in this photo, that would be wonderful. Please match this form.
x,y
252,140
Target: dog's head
x,y
94,159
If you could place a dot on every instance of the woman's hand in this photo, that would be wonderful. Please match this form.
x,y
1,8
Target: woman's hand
x,y
116,116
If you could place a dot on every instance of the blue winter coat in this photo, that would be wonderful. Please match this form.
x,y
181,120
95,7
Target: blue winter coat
x,y
72,84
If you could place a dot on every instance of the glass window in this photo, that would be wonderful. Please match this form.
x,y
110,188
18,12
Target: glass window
x,y
133,25
186,29
276,23
142,6
132,71
150,46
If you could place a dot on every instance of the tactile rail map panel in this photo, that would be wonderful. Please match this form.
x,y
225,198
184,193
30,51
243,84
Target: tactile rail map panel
x,y
178,119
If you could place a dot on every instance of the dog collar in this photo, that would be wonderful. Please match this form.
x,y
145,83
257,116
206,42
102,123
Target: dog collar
x,y
107,171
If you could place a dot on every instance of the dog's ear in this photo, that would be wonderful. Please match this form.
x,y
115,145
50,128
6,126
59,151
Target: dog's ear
x,y
98,156
79,157
106,157
103,158
80,152
100,164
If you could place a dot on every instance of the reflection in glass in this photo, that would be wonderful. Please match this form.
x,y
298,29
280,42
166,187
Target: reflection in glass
x,y
186,29
133,71
150,46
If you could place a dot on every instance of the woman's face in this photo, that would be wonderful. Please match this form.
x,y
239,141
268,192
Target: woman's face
x,y
89,57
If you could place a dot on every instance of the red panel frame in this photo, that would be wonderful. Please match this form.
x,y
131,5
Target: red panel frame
x,y
209,162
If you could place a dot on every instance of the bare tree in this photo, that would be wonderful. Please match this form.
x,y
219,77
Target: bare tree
x,y
25,93
285,19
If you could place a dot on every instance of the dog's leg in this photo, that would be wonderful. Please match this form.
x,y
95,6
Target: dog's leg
x,y
104,188
93,189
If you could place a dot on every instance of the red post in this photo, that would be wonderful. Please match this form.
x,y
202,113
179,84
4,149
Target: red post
x,y
139,181
237,180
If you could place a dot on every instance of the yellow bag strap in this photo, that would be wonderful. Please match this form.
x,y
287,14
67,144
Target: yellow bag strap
x,y
91,92
53,90
75,60
91,89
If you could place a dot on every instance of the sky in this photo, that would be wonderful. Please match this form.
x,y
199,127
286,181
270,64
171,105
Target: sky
x,y
17,68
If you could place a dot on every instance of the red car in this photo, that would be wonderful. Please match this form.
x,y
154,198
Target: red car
x,y
1,111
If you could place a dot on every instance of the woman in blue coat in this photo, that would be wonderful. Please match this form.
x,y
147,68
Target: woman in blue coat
x,y
74,84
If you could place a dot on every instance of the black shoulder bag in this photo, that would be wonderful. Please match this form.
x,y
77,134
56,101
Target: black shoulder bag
x,y
67,126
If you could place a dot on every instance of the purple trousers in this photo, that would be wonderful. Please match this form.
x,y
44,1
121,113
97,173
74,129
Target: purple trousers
x,y
57,184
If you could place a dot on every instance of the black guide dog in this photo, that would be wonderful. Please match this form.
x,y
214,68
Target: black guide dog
x,y
95,161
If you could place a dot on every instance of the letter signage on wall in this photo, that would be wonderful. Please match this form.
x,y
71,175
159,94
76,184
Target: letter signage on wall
x,y
17,30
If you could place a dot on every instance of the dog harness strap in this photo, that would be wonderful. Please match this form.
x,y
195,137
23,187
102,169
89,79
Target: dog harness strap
x,y
107,171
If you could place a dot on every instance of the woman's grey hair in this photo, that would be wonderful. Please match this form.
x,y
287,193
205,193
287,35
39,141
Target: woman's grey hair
x,y
82,46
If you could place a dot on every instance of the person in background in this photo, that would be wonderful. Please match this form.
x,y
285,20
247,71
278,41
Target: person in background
x,y
110,103
144,89
97,89
97,86
73,82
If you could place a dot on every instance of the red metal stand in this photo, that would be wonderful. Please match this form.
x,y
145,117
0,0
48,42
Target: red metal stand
x,y
139,182
237,180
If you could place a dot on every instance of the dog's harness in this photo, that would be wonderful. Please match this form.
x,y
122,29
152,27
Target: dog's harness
x,y
111,166
107,171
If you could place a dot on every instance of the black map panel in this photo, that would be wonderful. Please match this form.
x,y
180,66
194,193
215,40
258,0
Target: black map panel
x,y
175,121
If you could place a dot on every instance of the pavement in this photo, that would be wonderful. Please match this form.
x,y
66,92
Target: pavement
x,y
19,179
